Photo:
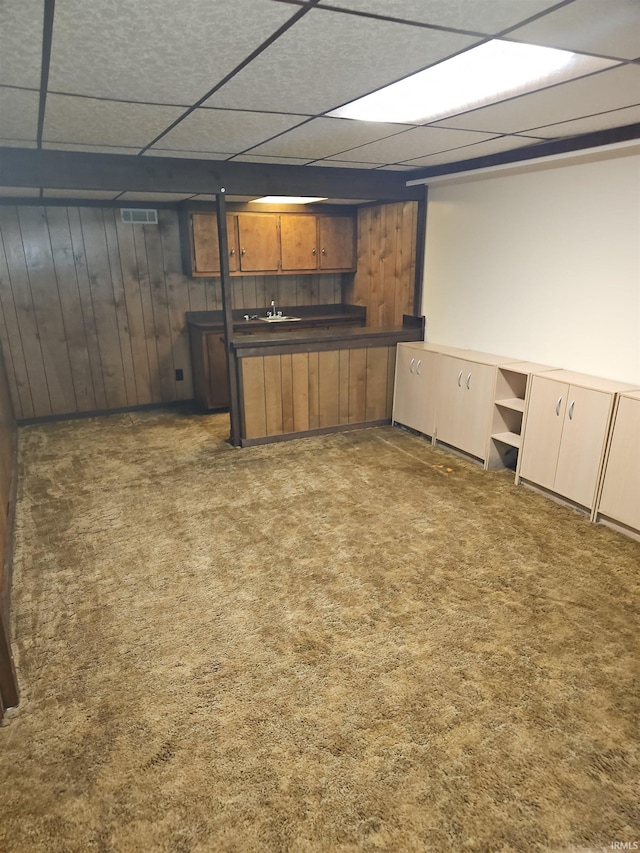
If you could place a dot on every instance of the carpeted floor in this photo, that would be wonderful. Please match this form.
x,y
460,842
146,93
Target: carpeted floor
x,y
346,643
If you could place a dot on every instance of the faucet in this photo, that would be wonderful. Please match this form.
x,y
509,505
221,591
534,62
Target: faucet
x,y
273,313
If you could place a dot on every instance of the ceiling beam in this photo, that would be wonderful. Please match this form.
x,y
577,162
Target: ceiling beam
x,y
66,170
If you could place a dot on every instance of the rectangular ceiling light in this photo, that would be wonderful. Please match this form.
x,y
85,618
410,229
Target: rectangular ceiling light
x,y
286,199
483,75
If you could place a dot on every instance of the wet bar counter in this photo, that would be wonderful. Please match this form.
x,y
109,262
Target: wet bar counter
x,y
309,382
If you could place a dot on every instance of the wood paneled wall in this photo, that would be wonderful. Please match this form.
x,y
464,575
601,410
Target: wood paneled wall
x,y
304,391
93,309
8,687
385,280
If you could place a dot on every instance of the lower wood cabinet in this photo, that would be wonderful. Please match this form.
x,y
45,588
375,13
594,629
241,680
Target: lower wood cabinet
x,y
620,495
565,431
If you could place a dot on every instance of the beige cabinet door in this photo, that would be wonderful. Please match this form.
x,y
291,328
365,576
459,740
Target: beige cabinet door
x,y
259,243
543,431
337,242
298,236
583,436
450,414
415,389
477,400
620,499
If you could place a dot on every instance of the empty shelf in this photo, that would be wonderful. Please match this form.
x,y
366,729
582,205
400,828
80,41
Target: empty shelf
x,y
511,438
514,403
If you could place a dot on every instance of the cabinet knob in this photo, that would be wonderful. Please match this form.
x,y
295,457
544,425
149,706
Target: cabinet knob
x,y
243,252
232,251
324,251
313,251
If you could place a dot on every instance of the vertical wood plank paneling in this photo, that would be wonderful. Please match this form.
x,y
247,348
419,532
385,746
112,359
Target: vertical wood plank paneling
x,y
162,327
287,293
135,316
248,286
120,305
376,379
286,368
147,312
47,311
329,387
314,391
343,412
357,386
71,305
255,412
273,399
261,292
86,302
17,269
12,342
177,300
97,258
300,378
11,379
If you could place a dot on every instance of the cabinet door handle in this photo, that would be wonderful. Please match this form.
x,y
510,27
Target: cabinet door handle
x,y
232,252
313,251
468,380
243,251
571,405
324,251
418,366
413,361
460,380
558,406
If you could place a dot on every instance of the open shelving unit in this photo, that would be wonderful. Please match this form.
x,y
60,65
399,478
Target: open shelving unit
x,y
509,403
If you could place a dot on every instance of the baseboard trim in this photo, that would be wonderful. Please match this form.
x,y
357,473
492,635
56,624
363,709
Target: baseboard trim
x,y
191,405
307,433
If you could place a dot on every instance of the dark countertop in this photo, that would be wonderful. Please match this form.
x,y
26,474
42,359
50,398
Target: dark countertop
x,y
308,340
316,314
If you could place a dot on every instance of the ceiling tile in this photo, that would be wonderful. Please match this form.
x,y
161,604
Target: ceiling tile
x,y
21,42
226,130
323,137
602,121
106,195
613,89
19,114
93,122
156,50
153,197
343,164
188,155
91,149
328,58
482,16
469,152
257,158
19,192
608,29
417,142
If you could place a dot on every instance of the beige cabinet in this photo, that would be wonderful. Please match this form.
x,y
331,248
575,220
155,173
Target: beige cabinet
x,y
465,398
620,495
566,427
416,382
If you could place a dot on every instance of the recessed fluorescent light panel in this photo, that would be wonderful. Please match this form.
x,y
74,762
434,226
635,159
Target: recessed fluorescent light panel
x,y
286,199
483,75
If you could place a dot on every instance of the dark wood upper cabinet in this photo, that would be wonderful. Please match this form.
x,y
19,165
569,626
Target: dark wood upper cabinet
x,y
337,242
272,243
298,236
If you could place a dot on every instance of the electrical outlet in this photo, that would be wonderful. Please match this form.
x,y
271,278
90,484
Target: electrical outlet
x,y
179,374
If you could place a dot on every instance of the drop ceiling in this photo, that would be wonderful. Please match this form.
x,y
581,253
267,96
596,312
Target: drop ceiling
x,y
253,80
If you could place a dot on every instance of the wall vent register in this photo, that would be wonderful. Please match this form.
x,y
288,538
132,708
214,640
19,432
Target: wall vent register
x,y
139,215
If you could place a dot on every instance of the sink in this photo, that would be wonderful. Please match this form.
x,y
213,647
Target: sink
x,y
277,319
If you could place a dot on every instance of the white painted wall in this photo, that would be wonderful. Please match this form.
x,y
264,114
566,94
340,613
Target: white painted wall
x,y
542,266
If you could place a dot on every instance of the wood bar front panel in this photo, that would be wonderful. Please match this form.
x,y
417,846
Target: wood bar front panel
x,y
93,309
297,392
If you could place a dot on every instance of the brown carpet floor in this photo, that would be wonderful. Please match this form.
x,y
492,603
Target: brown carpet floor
x,y
346,643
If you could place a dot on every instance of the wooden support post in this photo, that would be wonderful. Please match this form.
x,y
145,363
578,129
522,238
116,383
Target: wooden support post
x,y
227,311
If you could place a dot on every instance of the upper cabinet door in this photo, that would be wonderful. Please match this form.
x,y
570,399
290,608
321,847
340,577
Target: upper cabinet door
x,y
259,243
298,236
337,242
205,251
